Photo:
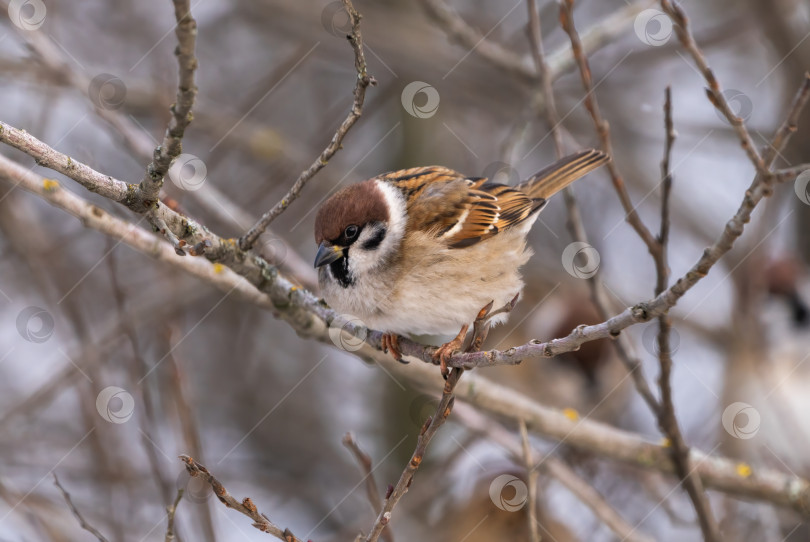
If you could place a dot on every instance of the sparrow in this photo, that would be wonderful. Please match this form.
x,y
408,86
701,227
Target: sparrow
x,y
420,251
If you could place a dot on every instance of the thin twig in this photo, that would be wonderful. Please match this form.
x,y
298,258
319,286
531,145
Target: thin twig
x,y
607,30
602,127
363,81
551,466
171,511
575,224
528,459
428,431
186,31
82,522
246,507
667,420
714,92
364,460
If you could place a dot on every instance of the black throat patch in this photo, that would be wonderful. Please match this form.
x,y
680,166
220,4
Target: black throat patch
x,y
340,270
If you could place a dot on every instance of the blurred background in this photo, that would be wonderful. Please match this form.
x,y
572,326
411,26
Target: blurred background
x,y
111,364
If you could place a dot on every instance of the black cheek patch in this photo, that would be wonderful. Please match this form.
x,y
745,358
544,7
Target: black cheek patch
x,y
374,242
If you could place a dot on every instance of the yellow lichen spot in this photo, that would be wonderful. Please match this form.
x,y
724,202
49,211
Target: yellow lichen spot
x,y
744,469
666,443
218,268
571,414
294,288
50,185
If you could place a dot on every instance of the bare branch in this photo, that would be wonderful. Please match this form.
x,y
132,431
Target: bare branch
x,y
714,92
667,420
246,507
364,461
594,38
429,430
82,522
602,127
363,81
528,460
171,510
557,469
186,31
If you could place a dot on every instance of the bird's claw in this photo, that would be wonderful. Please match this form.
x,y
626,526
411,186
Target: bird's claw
x,y
390,344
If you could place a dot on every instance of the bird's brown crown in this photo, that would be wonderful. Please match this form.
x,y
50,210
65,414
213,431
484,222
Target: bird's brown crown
x,y
357,204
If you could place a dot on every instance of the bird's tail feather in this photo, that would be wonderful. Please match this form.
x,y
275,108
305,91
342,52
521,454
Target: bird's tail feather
x,y
563,172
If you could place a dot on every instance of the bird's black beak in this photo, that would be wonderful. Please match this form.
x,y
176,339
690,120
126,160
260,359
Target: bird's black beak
x,y
327,254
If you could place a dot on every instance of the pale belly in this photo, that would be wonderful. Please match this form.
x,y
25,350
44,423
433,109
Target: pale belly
x,y
438,290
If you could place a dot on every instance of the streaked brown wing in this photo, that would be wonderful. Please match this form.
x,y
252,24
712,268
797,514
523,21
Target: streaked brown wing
x,y
459,209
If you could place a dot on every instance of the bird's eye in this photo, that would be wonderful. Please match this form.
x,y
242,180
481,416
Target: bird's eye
x,y
351,231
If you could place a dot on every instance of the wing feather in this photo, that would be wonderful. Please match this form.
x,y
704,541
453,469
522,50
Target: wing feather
x,y
463,210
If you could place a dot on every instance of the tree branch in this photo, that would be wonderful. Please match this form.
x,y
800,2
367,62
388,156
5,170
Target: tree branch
x,y
364,461
429,430
667,420
82,522
186,31
363,81
246,507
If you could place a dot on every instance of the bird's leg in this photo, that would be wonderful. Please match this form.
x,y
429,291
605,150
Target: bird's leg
x,y
506,308
446,351
480,331
390,344
480,328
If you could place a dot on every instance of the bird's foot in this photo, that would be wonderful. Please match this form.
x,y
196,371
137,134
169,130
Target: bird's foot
x,y
443,354
390,345
479,334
